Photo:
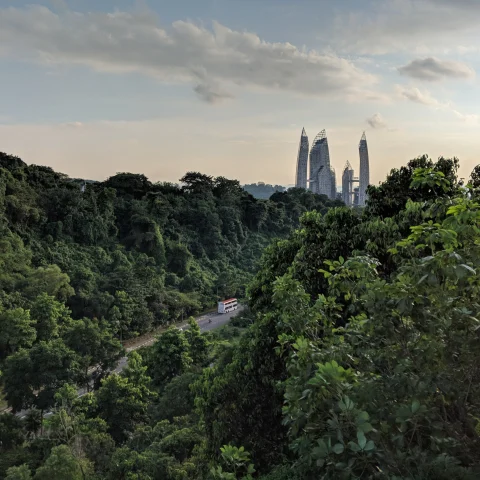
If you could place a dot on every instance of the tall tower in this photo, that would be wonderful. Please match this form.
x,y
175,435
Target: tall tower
x,y
320,170
364,170
347,184
333,195
302,162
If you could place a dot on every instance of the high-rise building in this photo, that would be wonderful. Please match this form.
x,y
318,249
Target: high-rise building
x,y
355,197
302,162
320,170
347,184
364,170
333,195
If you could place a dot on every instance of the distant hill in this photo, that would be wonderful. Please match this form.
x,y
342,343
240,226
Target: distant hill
x,y
263,190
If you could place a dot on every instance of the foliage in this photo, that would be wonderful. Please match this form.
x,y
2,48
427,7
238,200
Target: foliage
x,y
19,473
357,359
170,356
235,460
122,400
62,465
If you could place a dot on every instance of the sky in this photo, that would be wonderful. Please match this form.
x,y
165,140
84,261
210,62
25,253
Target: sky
x,y
224,87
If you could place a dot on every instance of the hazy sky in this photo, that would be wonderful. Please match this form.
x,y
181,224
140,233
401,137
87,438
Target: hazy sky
x,y
92,87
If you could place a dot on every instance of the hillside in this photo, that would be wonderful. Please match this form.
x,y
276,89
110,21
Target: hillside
x,y
357,357
156,251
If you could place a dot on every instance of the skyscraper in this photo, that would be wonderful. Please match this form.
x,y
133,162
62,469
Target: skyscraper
x,y
302,161
320,170
333,195
347,184
364,170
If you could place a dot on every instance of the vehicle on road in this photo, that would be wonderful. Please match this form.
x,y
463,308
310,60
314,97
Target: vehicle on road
x,y
226,306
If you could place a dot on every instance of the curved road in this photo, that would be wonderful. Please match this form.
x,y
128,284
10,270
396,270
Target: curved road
x,y
206,323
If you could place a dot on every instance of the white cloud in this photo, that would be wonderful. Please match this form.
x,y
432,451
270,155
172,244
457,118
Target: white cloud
x,y
185,52
417,96
433,69
376,121
425,98
469,118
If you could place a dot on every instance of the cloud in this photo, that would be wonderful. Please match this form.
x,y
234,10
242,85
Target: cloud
x,y
208,89
424,98
419,26
135,42
211,93
470,118
417,96
376,121
432,69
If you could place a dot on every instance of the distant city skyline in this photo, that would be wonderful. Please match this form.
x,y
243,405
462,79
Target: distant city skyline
x,y
322,176
91,88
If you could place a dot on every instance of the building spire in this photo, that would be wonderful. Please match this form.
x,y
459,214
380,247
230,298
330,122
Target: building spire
x,y
364,179
302,161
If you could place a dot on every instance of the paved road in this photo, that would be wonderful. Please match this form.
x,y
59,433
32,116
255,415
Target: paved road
x,y
206,323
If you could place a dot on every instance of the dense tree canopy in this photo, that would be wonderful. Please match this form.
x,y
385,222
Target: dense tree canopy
x,y
357,357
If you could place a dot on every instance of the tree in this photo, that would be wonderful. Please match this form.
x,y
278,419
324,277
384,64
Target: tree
x,y
51,317
198,343
475,177
11,431
63,465
51,280
121,405
19,473
123,399
177,399
170,356
17,331
95,345
32,377
389,198
194,182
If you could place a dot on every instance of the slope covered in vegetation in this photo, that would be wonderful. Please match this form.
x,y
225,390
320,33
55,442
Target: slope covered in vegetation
x,y
134,253
358,358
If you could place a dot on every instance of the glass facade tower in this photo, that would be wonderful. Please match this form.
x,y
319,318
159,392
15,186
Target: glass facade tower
x,y
302,162
320,170
364,170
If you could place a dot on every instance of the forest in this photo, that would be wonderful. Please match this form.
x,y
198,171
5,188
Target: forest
x,y
356,357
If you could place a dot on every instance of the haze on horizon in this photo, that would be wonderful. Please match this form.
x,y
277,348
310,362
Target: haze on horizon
x,y
224,87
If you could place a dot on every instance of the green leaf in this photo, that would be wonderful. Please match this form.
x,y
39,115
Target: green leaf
x,y
362,440
338,448
415,406
345,404
353,447
369,446
365,427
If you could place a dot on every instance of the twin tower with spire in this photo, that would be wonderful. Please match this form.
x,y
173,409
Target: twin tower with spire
x,y
321,176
